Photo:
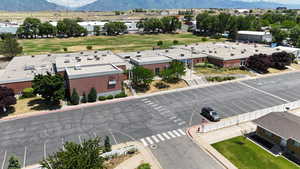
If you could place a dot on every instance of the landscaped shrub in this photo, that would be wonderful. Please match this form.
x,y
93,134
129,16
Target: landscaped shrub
x,y
65,49
161,85
144,166
120,95
109,97
89,47
92,96
205,65
220,78
83,99
27,93
204,39
74,97
160,43
102,98
175,42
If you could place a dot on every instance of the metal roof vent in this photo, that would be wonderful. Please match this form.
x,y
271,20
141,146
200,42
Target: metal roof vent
x,y
104,55
277,49
210,51
232,54
49,54
166,50
32,56
77,67
138,56
67,61
29,67
138,52
81,53
127,57
215,51
182,55
96,52
256,50
89,58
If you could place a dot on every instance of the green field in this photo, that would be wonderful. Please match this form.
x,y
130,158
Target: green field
x,y
122,43
246,155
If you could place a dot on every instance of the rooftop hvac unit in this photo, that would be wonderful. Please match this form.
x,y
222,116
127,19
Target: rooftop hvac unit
x,y
77,67
49,54
67,61
182,55
215,51
104,55
32,56
81,52
97,58
242,52
138,56
29,67
256,50
127,57
232,54
89,58
277,49
167,51
194,52
96,52
210,51
138,52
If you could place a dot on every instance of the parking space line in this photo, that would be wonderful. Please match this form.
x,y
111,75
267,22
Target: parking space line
x,y
177,120
145,99
149,140
144,142
165,134
45,149
181,131
148,101
160,137
171,134
154,105
173,117
63,143
25,154
80,141
262,91
176,133
155,139
181,123
95,135
113,136
4,158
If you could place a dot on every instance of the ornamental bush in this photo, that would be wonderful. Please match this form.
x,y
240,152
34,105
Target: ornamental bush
x,y
28,92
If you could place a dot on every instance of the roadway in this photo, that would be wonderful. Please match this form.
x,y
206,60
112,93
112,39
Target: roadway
x,y
33,138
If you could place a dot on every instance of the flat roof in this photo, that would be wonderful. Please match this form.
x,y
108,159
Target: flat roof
x,y
284,124
181,54
24,68
147,57
92,71
253,33
88,58
229,50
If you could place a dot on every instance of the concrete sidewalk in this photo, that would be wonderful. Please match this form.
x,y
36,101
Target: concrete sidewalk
x,y
145,156
204,140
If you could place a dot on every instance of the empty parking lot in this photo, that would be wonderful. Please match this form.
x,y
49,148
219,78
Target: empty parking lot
x,y
32,139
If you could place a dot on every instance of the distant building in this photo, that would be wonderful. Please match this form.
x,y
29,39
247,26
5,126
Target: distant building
x,y
294,51
9,28
90,26
254,36
281,8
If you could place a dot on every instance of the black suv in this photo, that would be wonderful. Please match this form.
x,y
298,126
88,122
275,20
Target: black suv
x,y
210,114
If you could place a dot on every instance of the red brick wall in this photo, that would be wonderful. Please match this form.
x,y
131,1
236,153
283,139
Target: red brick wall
x,y
100,83
228,63
161,66
199,60
18,86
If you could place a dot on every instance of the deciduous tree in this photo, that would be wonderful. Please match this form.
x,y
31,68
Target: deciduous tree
x,y
7,98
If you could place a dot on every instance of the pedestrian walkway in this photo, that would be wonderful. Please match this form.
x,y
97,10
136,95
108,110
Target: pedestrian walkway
x,y
148,141
163,111
192,79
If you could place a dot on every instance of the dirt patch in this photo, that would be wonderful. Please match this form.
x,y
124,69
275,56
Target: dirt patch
x,y
114,162
153,89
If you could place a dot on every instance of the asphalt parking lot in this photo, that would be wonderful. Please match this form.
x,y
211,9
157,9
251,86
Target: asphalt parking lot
x,y
182,153
31,139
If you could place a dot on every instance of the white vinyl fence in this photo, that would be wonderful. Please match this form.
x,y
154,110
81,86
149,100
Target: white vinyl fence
x,y
231,121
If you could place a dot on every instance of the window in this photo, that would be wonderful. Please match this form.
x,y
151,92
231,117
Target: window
x,y
296,144
157,71
112,84
268,133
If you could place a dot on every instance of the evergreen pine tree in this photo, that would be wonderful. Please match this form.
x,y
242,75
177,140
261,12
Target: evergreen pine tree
x,y
13,163
83,99
75,97
92,96
107,144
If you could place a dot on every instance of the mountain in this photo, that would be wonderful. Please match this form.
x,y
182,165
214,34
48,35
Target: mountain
x,y
109,5
28,5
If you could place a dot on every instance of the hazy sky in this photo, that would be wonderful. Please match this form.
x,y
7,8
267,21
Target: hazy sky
x,y
281,1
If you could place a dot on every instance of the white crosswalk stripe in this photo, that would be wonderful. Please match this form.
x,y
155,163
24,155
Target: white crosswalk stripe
x,y
171,134
155,139
144,142
181,123
160,137
173,117
154,105
176,133
148,101
181,131
165,134
149,140
145,99
177,120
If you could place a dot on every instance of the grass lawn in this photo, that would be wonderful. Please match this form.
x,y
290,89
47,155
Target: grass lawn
x,y
153,89
220,71
122,43
30,105
246,155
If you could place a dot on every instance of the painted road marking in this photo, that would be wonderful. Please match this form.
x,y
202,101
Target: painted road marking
x,y
4,158
181,123
45,149
25,153
149,140
145,99
173,117
155,139
144,142
165,134
171,134
262,91
177,120
160,137
181,131
176,133
113,136
148,101
80,141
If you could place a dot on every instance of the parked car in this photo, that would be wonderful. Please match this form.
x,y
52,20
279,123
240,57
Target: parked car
x,y
210,114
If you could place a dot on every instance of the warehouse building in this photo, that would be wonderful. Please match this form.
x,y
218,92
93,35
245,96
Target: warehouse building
x,y
254,36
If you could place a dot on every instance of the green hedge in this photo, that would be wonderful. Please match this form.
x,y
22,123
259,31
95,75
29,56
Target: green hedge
x,y
220,78
27,93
